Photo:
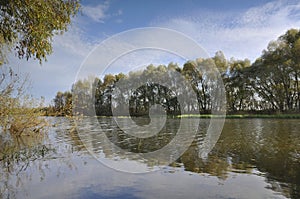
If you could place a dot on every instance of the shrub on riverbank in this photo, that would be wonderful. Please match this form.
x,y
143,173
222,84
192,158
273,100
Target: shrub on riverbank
x,y
19,112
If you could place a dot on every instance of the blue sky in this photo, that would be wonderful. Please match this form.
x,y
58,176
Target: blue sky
x,y
241,29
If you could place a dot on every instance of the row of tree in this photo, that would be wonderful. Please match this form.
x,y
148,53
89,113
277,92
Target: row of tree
x,y
269,85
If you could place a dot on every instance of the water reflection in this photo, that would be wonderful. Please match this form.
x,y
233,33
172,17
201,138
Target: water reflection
x,y
270,146
253,158
16,157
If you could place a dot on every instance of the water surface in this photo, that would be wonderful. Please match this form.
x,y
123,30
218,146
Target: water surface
x,y
254,158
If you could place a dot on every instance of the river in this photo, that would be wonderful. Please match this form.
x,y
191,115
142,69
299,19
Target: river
x,y
253,158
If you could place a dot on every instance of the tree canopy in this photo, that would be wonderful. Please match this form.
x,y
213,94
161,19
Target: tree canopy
x,y
269,85
28,26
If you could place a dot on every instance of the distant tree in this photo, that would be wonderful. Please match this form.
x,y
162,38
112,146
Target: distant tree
x,y
63,103
275,75
239,94
220,62
270,84
193,75
84,92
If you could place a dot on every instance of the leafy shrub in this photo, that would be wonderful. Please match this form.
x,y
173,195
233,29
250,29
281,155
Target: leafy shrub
x,y
20,114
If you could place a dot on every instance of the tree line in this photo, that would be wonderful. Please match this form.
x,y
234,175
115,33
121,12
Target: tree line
x,y
269,85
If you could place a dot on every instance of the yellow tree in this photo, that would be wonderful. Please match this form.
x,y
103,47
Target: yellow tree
x,y
28,26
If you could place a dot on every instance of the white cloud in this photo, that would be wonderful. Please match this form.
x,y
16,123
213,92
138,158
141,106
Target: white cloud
x,y
73,42
97,13
59,72
275,13
137,48
100,12
242,35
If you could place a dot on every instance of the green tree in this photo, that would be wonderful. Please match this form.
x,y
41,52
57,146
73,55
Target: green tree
x,y
220,62
82,92
192,74
292,57
29,26
63,104
238,92
275,75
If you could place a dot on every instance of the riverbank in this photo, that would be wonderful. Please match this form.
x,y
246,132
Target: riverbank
x,y
240,116
228,116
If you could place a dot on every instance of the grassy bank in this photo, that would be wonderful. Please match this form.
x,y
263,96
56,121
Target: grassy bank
x,y
233,116
229,116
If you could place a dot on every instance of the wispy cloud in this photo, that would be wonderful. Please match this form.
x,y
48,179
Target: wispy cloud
x,y
100,12
276,13
97,13
73,42
241,35
59,72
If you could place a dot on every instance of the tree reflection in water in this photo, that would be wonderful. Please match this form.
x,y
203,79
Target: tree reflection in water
x,y
17,156
23,157
271,147
262,147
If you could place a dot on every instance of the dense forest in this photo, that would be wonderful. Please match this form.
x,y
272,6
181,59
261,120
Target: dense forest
x,y
269,85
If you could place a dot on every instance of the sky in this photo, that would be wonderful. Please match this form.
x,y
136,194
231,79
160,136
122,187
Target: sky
x,y
241,29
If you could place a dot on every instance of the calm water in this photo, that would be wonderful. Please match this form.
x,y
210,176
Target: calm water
x,y
254,158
